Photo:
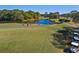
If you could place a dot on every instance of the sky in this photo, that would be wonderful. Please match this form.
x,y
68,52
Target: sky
x,y
42,8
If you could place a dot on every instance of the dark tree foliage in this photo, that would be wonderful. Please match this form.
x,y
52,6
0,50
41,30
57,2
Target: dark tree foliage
x,y
17,15
62,38
54,15
73,14
63,20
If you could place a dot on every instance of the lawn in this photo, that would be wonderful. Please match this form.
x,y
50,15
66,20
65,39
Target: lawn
x,y
17,38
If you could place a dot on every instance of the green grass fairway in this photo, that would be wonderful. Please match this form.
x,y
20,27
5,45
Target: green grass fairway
x,y
17,38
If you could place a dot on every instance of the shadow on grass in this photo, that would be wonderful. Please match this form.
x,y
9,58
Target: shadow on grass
x,y
62,38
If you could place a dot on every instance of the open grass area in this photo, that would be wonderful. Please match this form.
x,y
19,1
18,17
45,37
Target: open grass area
x,y
17,38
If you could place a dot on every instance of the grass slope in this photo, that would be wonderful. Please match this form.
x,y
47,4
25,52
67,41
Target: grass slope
x,y
23,39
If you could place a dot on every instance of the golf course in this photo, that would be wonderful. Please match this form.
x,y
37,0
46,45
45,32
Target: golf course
x,y
37,28
15,37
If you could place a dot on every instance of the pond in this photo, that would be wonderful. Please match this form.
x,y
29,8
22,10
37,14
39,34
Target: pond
x,y
44,21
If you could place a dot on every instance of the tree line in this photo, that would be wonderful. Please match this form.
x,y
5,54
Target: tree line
x,y
73,14
17,15
66,17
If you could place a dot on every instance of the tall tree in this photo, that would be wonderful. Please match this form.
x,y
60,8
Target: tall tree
x,y
54,15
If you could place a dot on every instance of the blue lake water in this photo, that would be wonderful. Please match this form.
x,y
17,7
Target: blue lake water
x,y
44,21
